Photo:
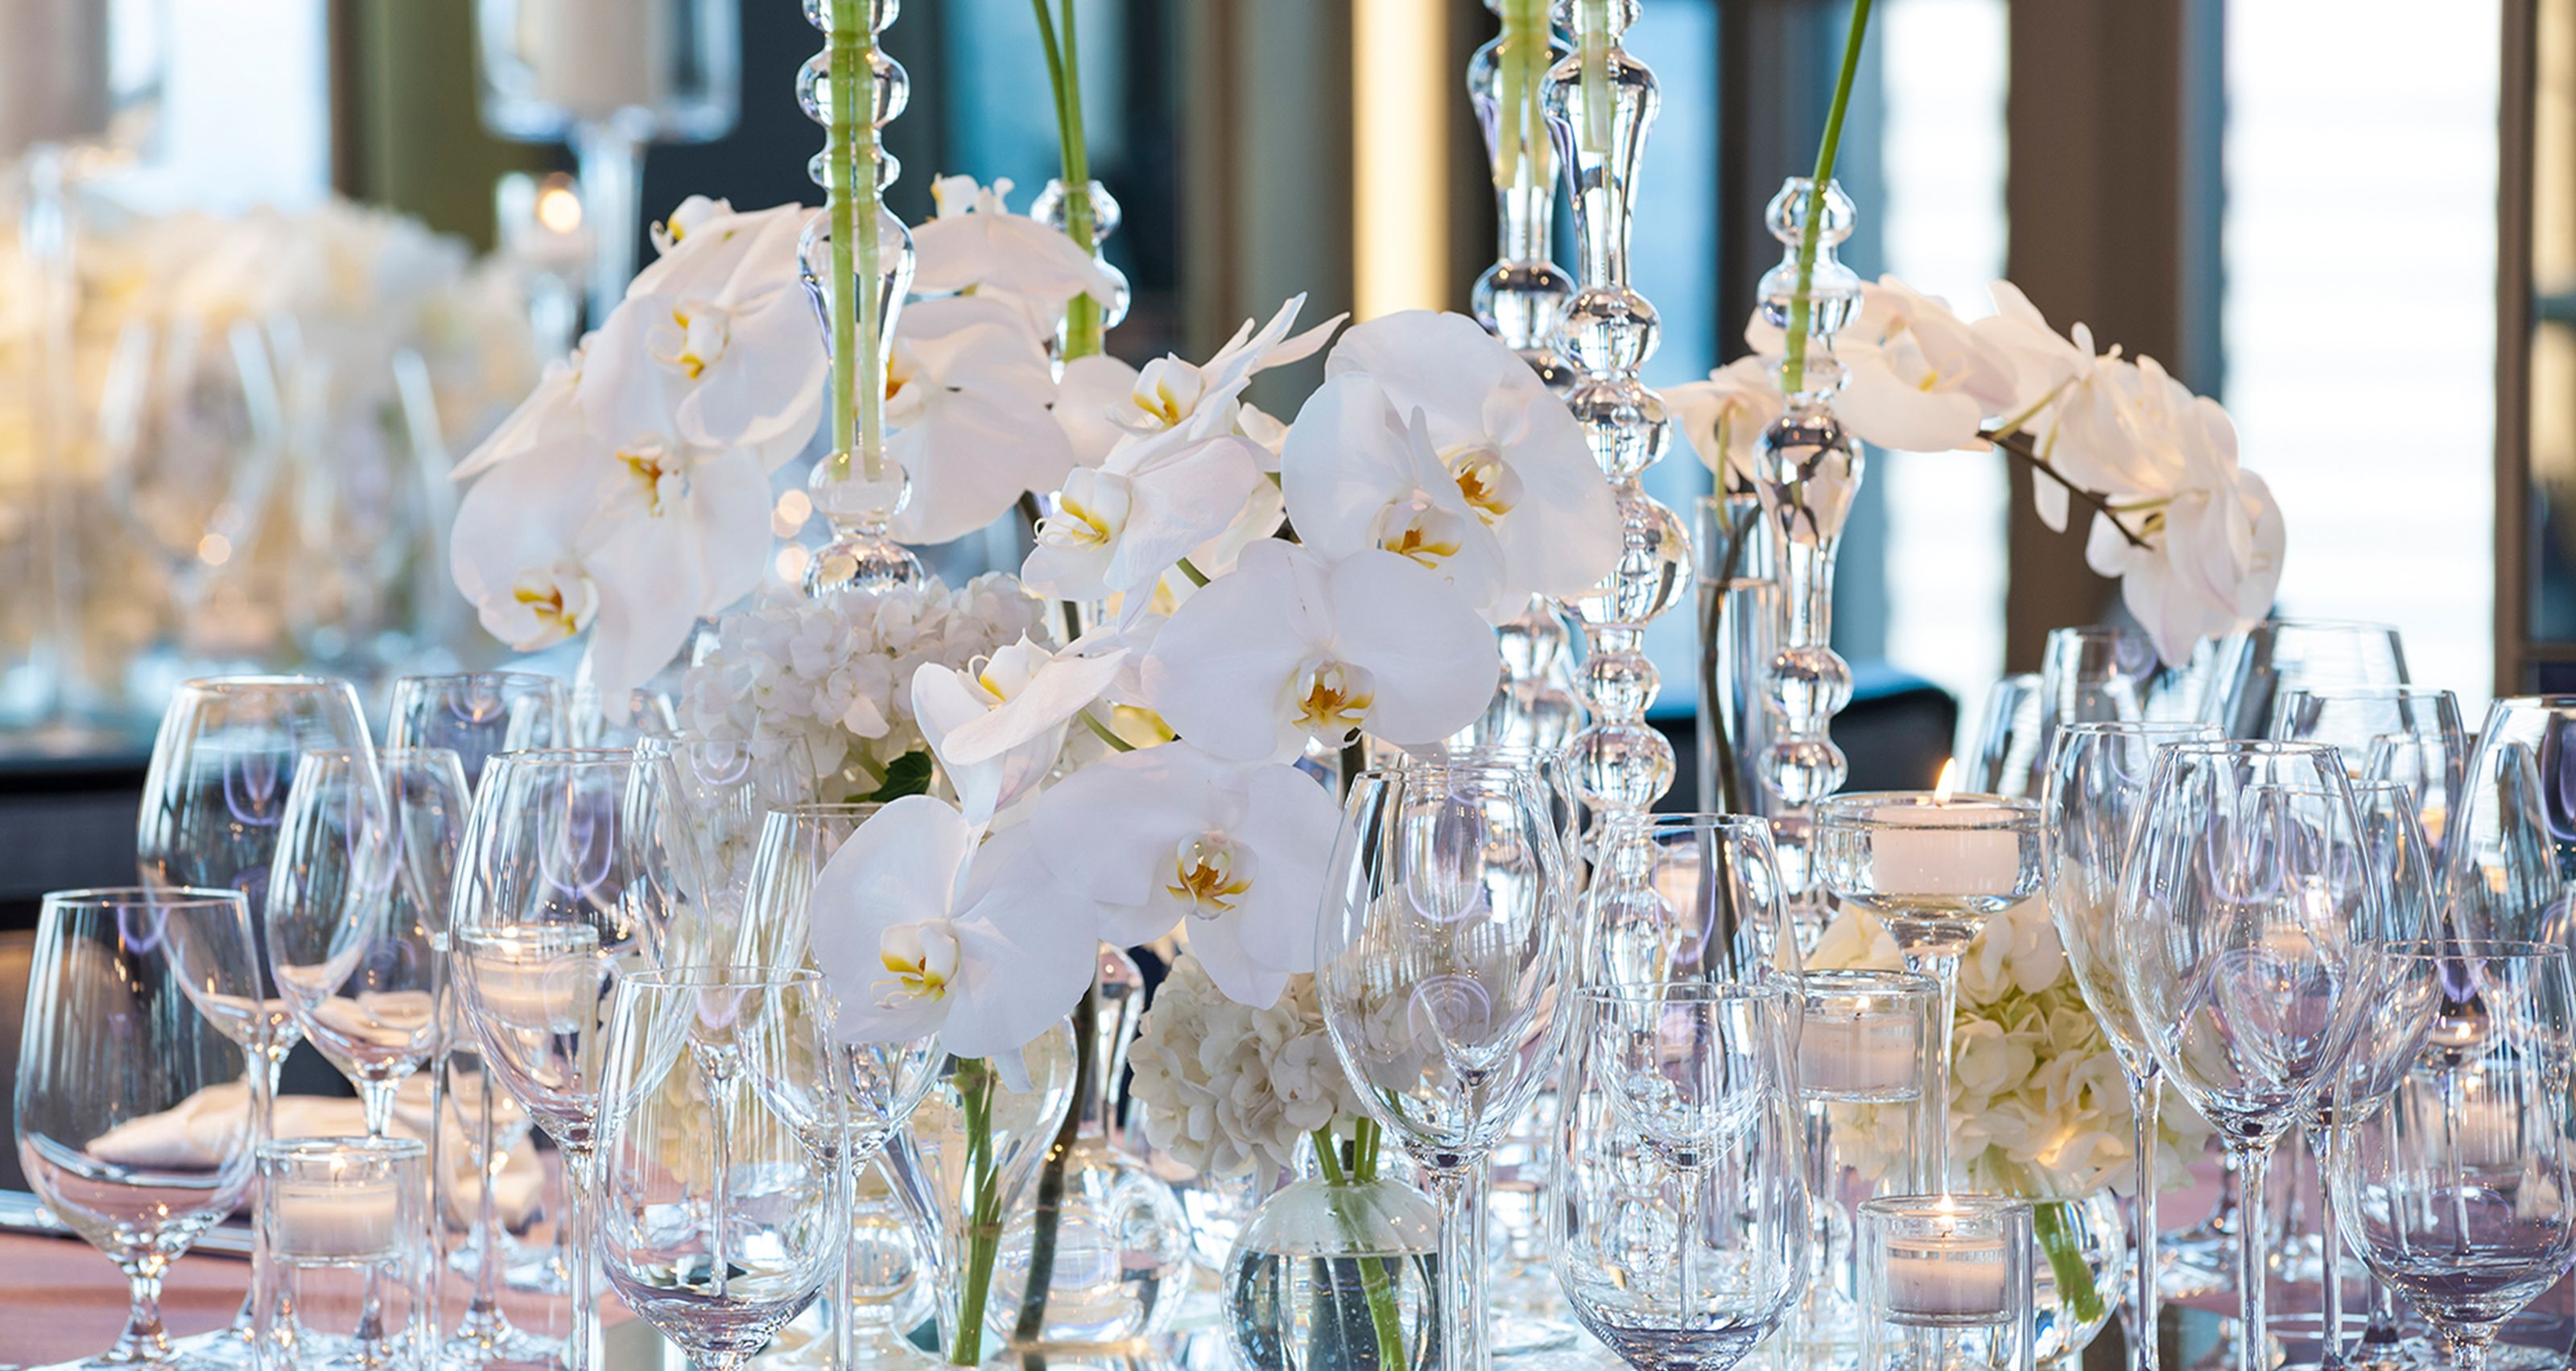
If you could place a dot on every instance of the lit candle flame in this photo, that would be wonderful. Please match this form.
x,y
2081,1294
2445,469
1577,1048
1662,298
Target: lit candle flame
x,y
1949,782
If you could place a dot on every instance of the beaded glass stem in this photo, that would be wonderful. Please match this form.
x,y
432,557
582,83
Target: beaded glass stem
x,y
857,487
1807,469
1600,102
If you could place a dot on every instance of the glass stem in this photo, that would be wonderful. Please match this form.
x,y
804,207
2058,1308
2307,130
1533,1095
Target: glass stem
x,y
377,1098
2382,1334
144,1339
2323,1142
2146,1103
487,1209
2468,1351
610,159
2253,1161
1462,1271
581,1265
845,1331
720,1150
1821,1204
266,1060
1932,1148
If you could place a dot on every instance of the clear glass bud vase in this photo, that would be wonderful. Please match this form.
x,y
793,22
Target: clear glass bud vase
x,y
1335,1273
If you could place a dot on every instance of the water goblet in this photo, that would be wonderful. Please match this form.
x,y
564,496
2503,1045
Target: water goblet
x,y
1933,868
1440,964
132,1109
477,714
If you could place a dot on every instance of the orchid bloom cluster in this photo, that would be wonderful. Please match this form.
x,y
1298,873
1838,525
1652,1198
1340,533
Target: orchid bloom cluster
x,y
2037,1104
1143,779
2195,539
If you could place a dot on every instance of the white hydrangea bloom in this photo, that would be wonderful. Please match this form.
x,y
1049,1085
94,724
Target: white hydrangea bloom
x,y
1228,1088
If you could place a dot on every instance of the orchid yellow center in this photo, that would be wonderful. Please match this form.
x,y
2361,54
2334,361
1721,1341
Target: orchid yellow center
x,y
1421,531
542,593
1487,482
1075,524
1209,874
656,473
1331,699
1167,390
920,960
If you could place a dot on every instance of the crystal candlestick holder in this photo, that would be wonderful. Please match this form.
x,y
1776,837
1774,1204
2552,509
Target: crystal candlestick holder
x,y
1864,1039
1521,297
1934,867
1945,1283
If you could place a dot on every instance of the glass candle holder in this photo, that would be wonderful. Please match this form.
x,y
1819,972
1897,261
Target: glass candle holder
x,y
1863,1040
1945,1283
344,1266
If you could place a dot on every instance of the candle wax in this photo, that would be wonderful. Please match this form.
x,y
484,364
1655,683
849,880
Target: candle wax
x,y
1864,1056
319,1220
1941,852
1946,1279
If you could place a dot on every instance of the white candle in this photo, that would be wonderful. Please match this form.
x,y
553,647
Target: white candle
x,y
540,981
53,73
1869,1055
326,1221
1946,1279
593,58
1941,851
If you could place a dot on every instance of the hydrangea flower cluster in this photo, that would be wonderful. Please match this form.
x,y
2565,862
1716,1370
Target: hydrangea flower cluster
x,y
1226,1088
2037,1103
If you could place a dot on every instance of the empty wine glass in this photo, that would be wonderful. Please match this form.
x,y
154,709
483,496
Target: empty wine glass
x,y
476,714
2257,667
2095,786
572,865
1440,961
357,911
222,767
1680,1221
729,787
719,1218
2353,718
2459,1186
2246,918
2091,674
190,437
132,1108
1686,897
2509,845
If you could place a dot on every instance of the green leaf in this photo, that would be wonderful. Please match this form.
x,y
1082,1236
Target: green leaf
x,y
908,774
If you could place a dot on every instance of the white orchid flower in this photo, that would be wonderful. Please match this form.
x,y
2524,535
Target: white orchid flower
x,y
1358,475
548,418
516,554
1508,443
1290,647
1920,378
921,925
967,391
1170,834
2215,545
977,245
1723,418
2102,422
1107,406
1117,529
998,726
723,314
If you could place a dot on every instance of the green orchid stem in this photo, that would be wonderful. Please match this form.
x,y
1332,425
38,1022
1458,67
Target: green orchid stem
x,y
2054,1229
1377,1280
1105,733
975,1083
843,47
1049,1212
2018,447
1793,367
1083,326
1523,152
1197,577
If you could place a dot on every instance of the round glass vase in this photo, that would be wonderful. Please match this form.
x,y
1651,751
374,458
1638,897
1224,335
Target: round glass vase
x,y
2076,1278
1335,1275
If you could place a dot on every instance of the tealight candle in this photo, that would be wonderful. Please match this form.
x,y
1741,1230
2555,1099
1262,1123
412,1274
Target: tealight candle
x,y
593,58
1869,1054
1947,1280
1949,848
534,981
349,1221
1933,1262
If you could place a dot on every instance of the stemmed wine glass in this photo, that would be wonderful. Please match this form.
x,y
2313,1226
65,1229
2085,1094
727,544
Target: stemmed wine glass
x,y
729,788
2463,1184
1680,1221
2260,666
2509,847
127,1120
719,1218
1440,963
222,768
2095,785
1933,868
573,865
476,714
357,911
2249,915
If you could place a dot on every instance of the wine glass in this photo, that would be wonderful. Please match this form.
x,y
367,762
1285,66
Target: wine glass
x,y
729,787
2095,785
476,714
571,866
357,911
132,1105
2510,845
2462,1185
1933,868
1439,964
2247,915
2275,656
2010,737
1684,897
191,436
719,1217
1680,1220
218,784
2092,674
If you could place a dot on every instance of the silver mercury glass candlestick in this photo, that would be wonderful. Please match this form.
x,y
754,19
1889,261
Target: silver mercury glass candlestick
x,y
1600,102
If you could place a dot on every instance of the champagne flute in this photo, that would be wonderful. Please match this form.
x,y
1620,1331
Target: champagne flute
x,y
132,1107
222,768
718,1213
2095,786
572,862
1440,964
2247,917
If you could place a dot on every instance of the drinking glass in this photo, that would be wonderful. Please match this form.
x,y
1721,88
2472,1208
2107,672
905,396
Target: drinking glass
x,y
2355,717
2460,1184
729,787
1863,1038
719,1216
2510,846
190,437
222,767
1440,960
1687,897
2247,918
332,1206
1935,1268
476,714
357,911
1933,868
2010,738
2096,783
2092,674
2256,668
132,1105
1680,1219
572,865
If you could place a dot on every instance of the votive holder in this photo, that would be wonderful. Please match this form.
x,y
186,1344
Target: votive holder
x,y
344,1265
1945,1283
1862,1042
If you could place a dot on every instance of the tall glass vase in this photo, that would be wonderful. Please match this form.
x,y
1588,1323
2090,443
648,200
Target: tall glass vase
x,y
1739,630
1521,297
1807,470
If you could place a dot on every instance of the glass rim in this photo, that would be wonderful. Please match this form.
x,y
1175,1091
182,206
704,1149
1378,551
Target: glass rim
x,y
2434,949
2099,632
1448,756
1865,980
162,897
1942,1206
2301,621
711,977
2371,692
560,756
824,807
2252,747
2552,703
1865,810
413,754
497,674
2189,729
1691,992
233,685
387,1148
1653,824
